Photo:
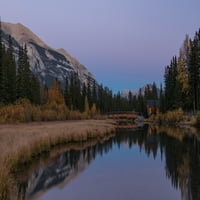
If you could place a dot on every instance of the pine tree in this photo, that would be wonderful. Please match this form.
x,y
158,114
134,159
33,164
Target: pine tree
x,y
89,94
147,92
171,84
77,92
94,92
44,94
154,91
3,70
1,97
186,50
5,78
100,97
28,85
194,71
11,73
67,95
35,90
20,75
86,107
162,100
182,86
141,104
130,100
83,95
27,74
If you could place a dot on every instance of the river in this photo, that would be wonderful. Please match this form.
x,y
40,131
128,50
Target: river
x,y
151,163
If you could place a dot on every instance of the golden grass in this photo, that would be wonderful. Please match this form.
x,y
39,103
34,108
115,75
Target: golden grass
x,y
21,143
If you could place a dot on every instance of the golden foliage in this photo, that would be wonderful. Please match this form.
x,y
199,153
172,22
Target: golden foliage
x,y
23,111
171,117
54,108
53,94
93,110
182,76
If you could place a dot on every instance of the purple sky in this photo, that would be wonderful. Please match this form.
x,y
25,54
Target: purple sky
x,y
124,43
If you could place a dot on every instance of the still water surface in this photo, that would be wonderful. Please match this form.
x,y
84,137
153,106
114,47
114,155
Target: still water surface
x,y
147,164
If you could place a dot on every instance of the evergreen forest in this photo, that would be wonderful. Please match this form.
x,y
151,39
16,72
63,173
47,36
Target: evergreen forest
x,y
181,85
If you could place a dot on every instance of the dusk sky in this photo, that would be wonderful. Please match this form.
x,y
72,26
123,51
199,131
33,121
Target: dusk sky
x,y
124,43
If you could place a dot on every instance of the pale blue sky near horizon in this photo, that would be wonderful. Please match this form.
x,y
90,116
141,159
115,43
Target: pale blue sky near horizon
x,y
124,43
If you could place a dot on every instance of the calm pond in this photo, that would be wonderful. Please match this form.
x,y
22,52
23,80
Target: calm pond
x,y
147,164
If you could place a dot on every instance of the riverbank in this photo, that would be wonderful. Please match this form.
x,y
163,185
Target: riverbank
x,y
175,118
21,143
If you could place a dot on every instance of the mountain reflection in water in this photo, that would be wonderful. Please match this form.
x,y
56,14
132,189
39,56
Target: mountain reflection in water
x,y
177,148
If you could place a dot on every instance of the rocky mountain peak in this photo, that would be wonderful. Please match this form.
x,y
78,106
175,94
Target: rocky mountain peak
x,y
45,62
22,34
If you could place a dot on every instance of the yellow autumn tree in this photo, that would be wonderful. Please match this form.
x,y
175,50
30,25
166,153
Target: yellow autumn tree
x,y
93,110
54,107
86,107
54,94
182,75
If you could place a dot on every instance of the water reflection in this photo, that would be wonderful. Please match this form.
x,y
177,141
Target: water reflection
x,y
178,148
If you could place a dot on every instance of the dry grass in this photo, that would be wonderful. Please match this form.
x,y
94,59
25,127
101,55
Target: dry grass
x,y
21,143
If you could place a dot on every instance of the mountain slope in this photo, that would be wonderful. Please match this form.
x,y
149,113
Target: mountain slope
x,y
45,62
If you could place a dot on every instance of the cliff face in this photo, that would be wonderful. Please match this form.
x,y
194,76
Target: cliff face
x,y
45,62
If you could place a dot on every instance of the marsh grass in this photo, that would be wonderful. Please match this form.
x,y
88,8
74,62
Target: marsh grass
x,y
5,183
20,144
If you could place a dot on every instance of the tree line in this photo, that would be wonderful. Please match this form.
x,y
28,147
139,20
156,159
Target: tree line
x,y
182,77
181,84
18,82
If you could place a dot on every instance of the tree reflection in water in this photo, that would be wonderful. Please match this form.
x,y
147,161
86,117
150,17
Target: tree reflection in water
x,y
178,148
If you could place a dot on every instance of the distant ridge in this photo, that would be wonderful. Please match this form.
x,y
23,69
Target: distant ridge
x,y
125,92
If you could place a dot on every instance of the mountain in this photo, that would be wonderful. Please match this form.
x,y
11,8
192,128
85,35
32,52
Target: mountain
x,y
45,62
124,93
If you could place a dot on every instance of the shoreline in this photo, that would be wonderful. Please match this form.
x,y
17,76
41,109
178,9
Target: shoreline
x,y
17,136
20,143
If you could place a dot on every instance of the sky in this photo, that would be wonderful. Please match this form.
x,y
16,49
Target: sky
x,y
125,44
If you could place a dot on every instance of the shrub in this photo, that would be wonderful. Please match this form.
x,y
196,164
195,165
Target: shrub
x,y
36,113
24,111
11,114
171,117
198,119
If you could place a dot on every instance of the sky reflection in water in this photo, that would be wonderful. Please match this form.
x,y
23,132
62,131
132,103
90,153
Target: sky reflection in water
x,y
141,165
